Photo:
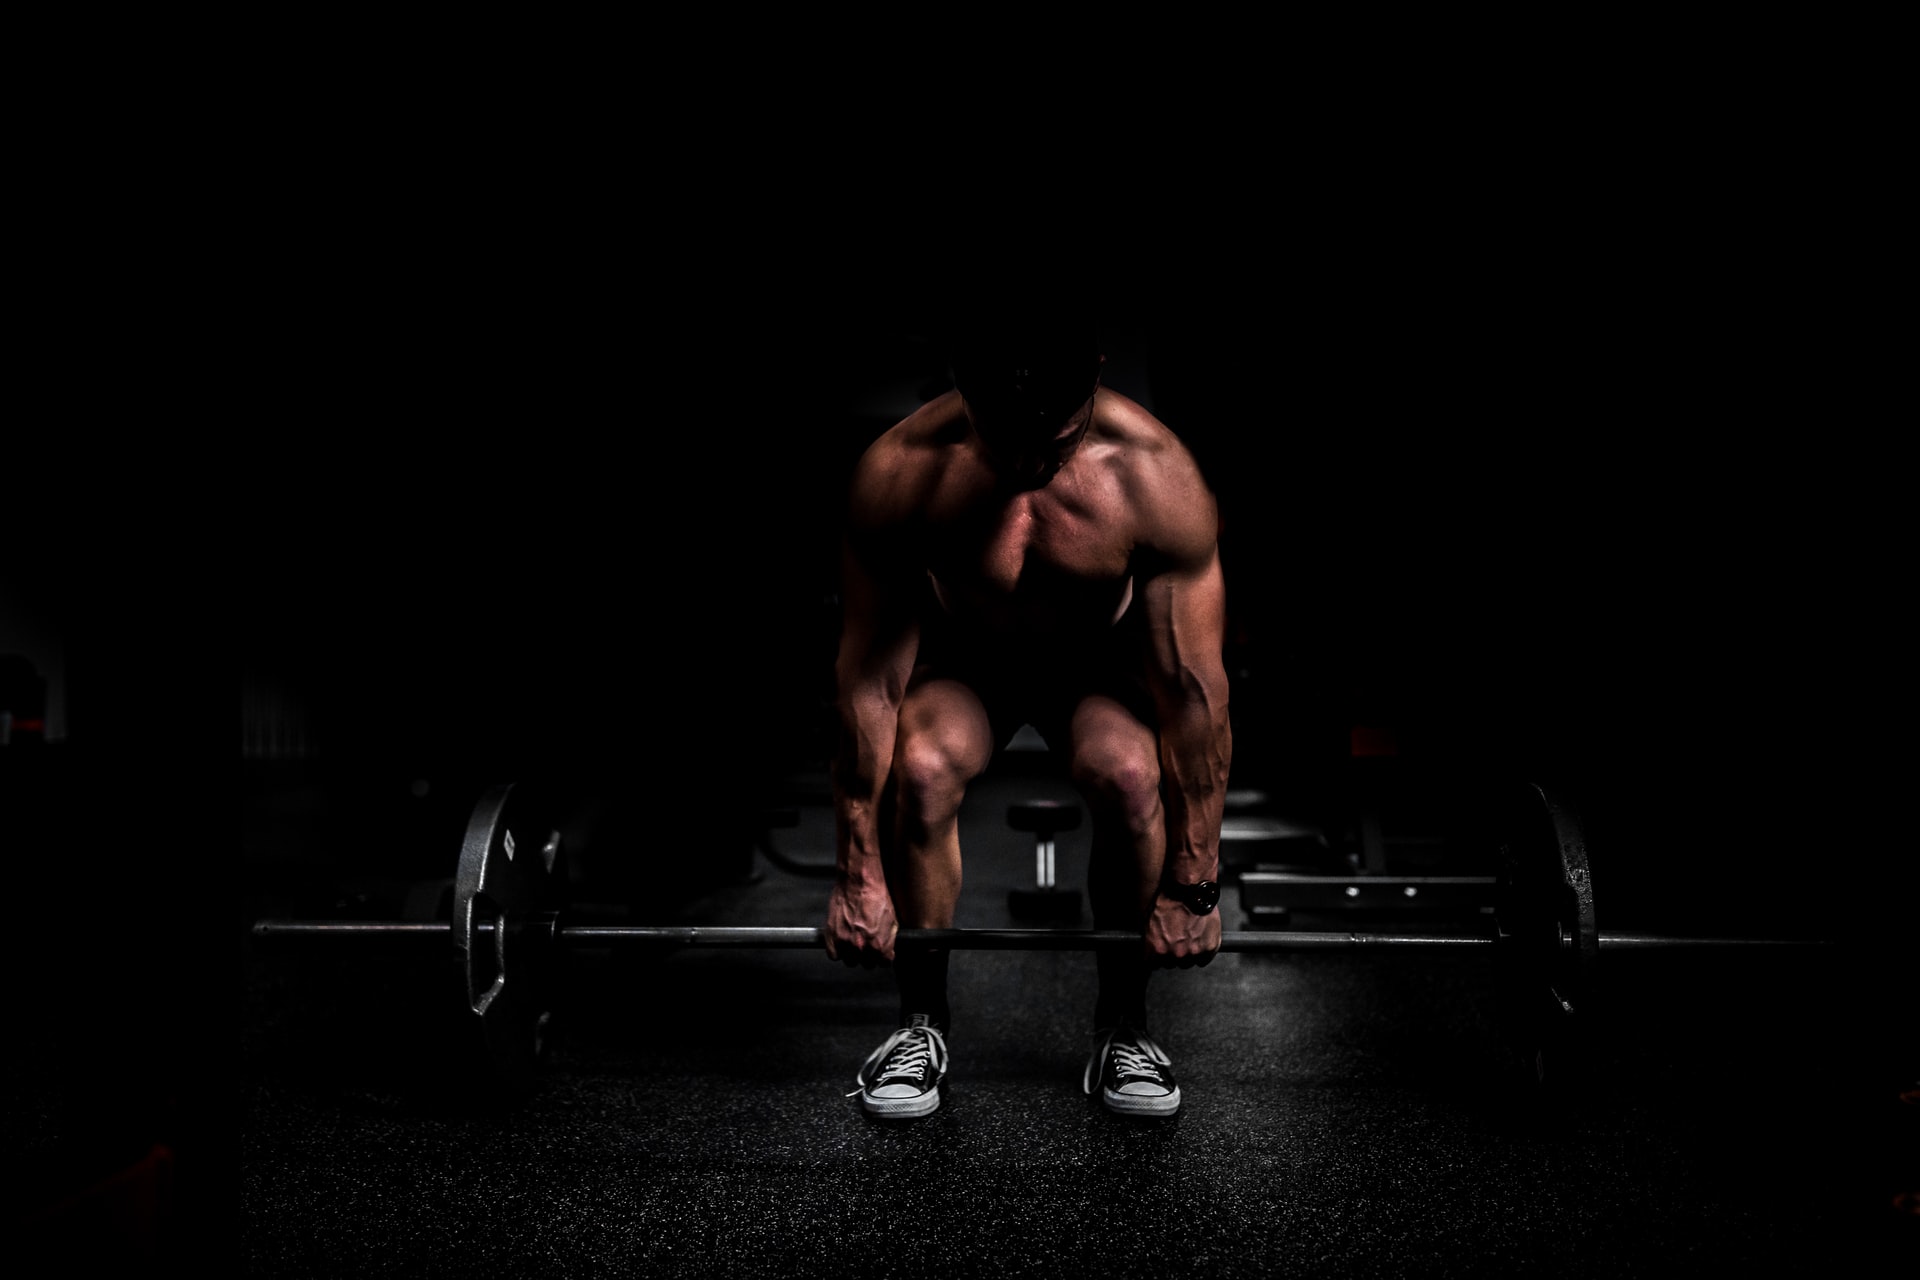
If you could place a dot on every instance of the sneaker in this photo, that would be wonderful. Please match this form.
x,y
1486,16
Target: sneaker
x,y
902,1077
1133,1074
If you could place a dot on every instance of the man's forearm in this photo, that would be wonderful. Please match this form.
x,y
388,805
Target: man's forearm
x,y
861,923
860,770
1196,756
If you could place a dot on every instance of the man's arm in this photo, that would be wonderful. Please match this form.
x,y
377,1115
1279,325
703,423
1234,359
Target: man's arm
x,y
879,640
1186,620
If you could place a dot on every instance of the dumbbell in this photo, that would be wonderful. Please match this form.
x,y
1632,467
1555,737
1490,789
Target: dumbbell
x,y
1046,900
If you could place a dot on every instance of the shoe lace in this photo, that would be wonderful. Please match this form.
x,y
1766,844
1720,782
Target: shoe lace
x,y
911,1056
1135,1062
908,1054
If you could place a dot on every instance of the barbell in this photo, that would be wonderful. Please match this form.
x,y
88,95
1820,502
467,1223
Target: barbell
x,y
508,926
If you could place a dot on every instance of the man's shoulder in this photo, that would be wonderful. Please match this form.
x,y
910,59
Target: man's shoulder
x,y
938,424
1149,449
1172,502
1121,410
905,463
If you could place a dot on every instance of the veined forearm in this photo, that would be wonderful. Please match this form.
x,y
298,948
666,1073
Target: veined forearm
x,y
864,758
1187,617
1196,757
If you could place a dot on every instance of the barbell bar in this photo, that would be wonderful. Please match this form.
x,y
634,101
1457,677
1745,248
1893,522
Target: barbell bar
x,y
800,937
509,923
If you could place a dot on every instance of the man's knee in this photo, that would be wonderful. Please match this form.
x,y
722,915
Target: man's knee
x,y
930,778
1122,786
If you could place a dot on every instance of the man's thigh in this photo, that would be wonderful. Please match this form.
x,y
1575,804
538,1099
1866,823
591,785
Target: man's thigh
x,y
945,724
1108,741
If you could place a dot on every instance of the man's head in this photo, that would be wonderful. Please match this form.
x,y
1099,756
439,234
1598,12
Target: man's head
x,y
1028,382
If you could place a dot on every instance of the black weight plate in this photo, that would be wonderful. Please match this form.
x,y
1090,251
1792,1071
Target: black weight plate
x,y
507,896
1580,955
1549,944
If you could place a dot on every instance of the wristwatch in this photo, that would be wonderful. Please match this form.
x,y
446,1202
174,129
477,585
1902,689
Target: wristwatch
x,y
1199,898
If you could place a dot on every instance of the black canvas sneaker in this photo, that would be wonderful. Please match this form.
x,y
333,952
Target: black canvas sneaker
x,y
1133,1074
901,1079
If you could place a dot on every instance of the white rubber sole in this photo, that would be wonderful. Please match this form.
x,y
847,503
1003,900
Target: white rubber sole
x,y
1132,1104
902,1108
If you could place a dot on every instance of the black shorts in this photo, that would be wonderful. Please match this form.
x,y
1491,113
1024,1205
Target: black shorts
x,y
1035,685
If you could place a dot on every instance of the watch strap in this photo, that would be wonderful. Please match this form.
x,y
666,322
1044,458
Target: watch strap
x,y
1200,898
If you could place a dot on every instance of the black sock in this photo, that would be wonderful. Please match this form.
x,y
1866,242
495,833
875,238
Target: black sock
x,y
922,977
1123,990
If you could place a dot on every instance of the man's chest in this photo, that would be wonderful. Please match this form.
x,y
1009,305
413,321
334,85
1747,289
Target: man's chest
x,y
1032,561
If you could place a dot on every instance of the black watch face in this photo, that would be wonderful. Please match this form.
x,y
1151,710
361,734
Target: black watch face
x,y
1199,898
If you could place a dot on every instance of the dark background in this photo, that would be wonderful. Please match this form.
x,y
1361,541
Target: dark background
x,y
1554,477
577,519
1534,441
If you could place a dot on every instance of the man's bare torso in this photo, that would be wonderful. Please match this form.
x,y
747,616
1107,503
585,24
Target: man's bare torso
x,y
1017,567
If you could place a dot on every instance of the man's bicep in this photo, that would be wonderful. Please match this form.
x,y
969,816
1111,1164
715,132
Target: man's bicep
x,y
1186,615
878,633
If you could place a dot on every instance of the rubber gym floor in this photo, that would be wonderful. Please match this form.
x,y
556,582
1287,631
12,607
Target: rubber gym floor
x,y
1347,1113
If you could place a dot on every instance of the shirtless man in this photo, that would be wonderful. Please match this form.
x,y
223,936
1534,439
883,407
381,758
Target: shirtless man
x,y
1029,548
